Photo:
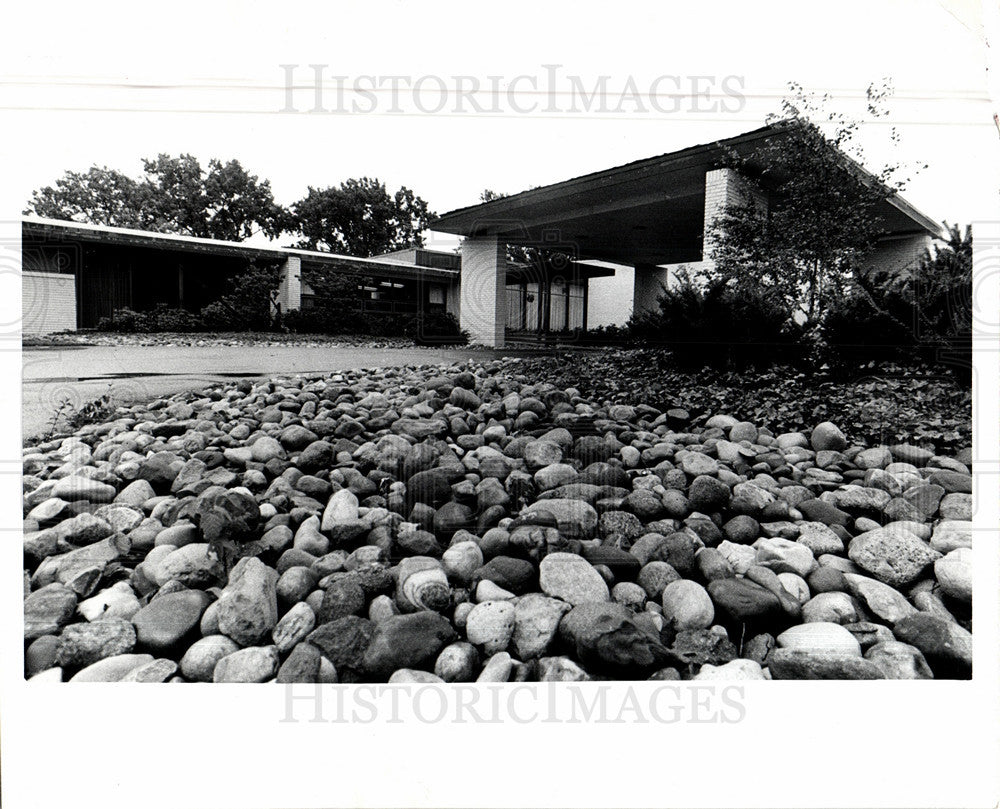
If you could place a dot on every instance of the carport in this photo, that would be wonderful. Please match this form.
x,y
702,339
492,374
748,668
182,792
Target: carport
x,y
651,214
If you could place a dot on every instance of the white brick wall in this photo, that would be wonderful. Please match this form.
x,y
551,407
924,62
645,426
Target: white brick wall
x,y
895,254
48,302
724,187
290,286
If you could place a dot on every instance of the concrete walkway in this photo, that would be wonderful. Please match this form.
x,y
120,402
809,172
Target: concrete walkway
x,y
140,373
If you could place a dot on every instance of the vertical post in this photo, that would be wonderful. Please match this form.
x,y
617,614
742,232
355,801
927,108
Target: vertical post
x,y
180,286
646,288
547,303
483,291
566,316
290,285
586,303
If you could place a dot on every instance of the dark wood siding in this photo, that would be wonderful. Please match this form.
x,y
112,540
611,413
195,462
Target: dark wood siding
x,y
105,286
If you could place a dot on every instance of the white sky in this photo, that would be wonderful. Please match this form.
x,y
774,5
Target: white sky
x,y
111,86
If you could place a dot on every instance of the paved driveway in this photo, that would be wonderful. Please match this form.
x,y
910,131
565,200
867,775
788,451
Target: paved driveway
x,y
138,373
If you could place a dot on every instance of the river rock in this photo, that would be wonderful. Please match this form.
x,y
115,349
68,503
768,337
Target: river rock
x,y
946,646
168,618
954,573
536,620
687,605
198,662
406,641
572,579
892,555
820,637
248,606
83,644
491,625
899,661
799,664
47,610
256,664
880,599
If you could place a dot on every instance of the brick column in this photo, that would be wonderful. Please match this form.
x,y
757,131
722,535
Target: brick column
x,y
647,286
724,187
290,285
483,308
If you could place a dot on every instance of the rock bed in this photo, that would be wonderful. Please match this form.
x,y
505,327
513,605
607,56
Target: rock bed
x,y
249,340
465,523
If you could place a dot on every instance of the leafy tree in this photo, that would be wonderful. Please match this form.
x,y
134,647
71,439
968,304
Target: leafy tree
x,y
359,218
175,195
821,221
99,196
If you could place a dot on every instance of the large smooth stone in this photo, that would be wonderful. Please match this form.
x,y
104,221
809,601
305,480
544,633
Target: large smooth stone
x,y
406,642
820,637
111,669
687,605
743,600
882,600
572,579
954,573
168,618
575,518
47,610
198,662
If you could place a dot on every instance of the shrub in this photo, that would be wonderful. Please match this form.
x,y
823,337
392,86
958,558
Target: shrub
x,y
923,313
124,320
717,327
161,318
247,306
435,328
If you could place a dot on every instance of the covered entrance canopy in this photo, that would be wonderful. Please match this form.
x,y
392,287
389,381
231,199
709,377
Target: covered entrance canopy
x,y
646,214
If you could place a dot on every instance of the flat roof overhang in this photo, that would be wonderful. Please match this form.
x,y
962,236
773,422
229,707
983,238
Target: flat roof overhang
x,y
647,212
56,230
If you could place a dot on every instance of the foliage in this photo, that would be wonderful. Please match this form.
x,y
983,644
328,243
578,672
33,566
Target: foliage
x,y
359,218
876,403
175,195
924,311
431,328
249,303
100,196
435,329
716,326
821,220
162,318
73,418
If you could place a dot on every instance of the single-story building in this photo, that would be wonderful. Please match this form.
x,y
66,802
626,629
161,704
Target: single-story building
x,y
75,274
651,215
